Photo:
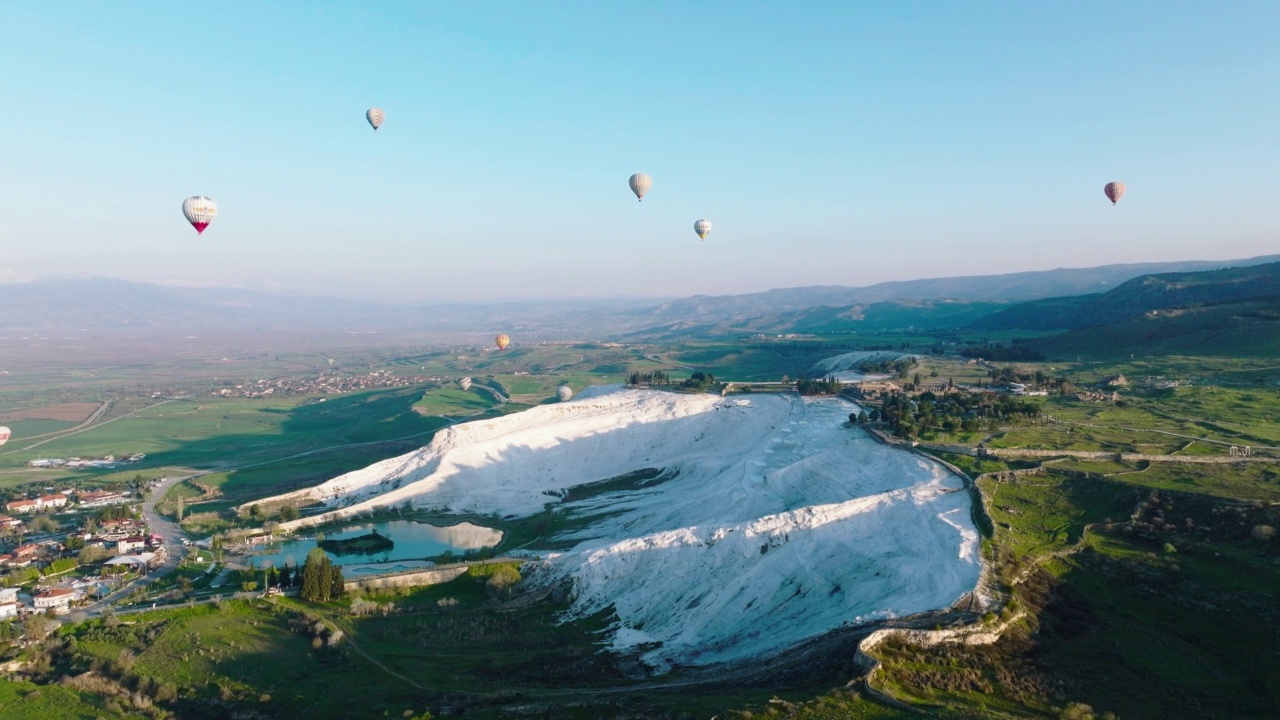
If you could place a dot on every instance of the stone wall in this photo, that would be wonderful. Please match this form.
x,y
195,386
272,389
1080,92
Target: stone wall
x,y
434,576
1132,457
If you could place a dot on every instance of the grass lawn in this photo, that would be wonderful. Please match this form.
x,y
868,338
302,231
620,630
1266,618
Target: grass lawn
x,y
27,701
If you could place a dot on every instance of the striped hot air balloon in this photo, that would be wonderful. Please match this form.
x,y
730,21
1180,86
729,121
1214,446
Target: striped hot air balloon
x,y
503,341
640,184
465,383
703,228
199,211
1114,191
375,116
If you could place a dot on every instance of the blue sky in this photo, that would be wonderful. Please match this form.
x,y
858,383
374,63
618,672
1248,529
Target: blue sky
x,y
829,143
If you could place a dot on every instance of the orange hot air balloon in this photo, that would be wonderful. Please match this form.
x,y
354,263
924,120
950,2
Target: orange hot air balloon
x,y
503,341
1114,191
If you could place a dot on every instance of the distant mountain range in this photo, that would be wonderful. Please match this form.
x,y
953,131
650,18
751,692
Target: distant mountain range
x,y
118,307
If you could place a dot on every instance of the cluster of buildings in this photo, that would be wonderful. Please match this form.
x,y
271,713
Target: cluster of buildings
x,y
324,384
85,499
127,541
76,463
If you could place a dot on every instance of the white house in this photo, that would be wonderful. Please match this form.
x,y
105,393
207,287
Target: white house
x,y
56,599
8,603
129,544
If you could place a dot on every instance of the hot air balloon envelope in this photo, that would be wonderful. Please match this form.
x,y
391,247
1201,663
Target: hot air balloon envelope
x,y
563,393
503,341
640,184
703,228
1114,190
465,383
375,117
199,211
4,435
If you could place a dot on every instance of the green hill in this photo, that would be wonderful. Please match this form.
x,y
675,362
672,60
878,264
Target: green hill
x,y
1141,295
1232,329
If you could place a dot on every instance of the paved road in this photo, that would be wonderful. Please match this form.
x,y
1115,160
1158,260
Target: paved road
x,y
158,524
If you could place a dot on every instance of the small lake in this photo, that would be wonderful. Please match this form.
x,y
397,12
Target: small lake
x,y
413,541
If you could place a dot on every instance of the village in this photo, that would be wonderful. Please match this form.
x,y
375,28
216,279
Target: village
x,y
323,384
60,550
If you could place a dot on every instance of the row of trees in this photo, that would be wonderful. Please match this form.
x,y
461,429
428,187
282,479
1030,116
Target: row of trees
x,y
826,386
322,581
655,377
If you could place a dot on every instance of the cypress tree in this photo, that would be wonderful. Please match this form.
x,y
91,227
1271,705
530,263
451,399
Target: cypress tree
x,y
336,582
316,577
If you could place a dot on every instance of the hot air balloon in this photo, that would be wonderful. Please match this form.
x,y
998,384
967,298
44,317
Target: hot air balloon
x,y
703,228
640,184
503,341
199,211
563,393
1114,191
374,116
465,383
4,435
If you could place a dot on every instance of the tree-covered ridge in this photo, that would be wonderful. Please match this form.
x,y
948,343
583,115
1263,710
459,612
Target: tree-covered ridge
x,y
965,411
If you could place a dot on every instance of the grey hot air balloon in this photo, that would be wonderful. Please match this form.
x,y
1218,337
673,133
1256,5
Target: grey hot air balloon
x,y
703,228
563,393
640,184
375,117
1113,191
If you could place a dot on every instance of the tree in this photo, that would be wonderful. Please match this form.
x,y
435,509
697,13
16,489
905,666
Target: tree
x,y
91,554
336,582
317,577
216,546
44,524
73,542
502,580
182,505
36,626
288,512
286,576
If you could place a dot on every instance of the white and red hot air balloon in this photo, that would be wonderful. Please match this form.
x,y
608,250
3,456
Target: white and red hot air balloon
x,y
4,435
199,211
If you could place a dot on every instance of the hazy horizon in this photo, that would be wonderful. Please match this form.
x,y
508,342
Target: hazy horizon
x,y
545,298
830,144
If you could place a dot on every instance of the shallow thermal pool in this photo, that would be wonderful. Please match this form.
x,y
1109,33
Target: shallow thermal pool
x,y
413,541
